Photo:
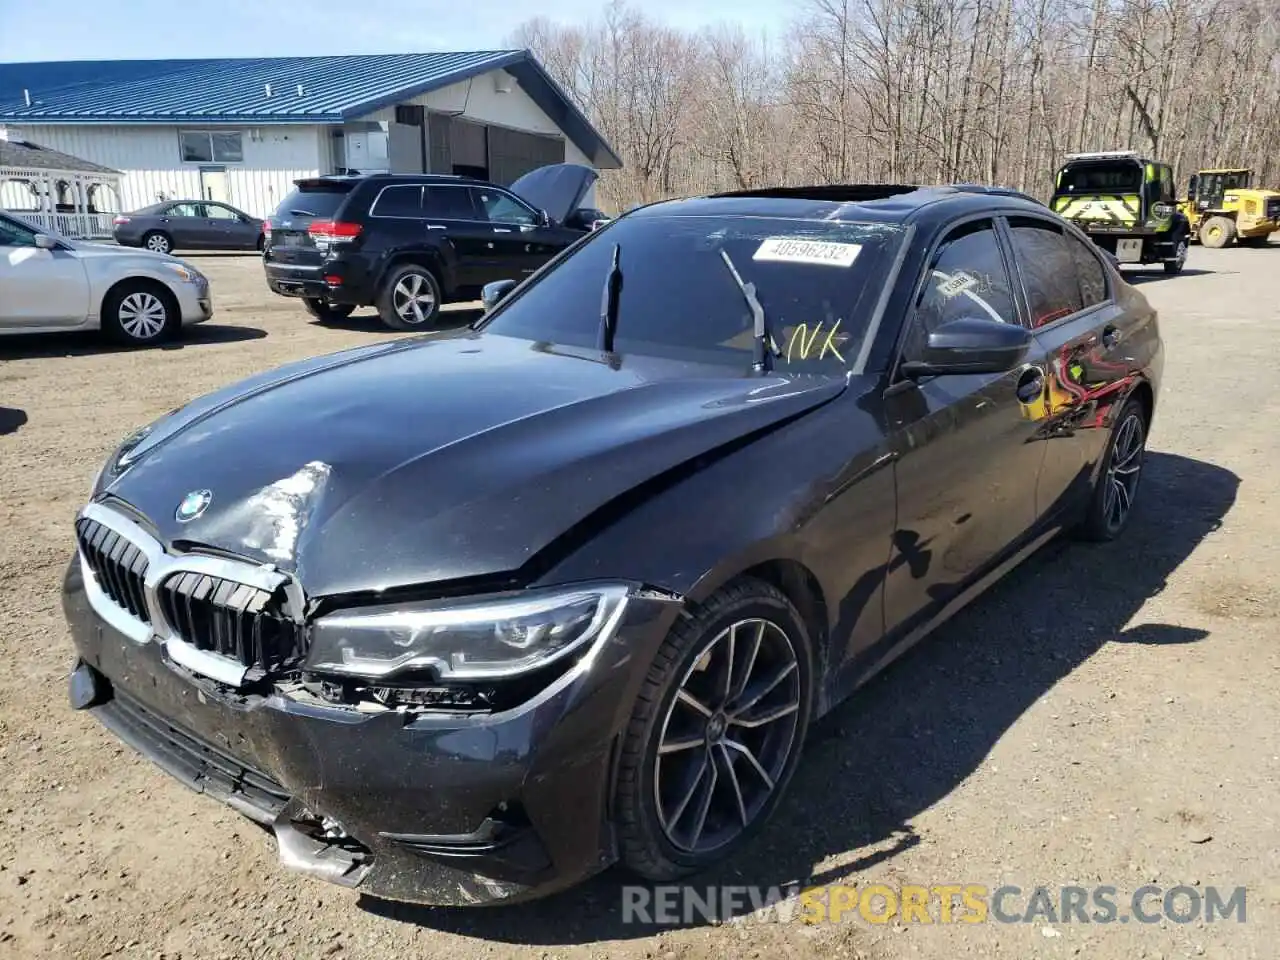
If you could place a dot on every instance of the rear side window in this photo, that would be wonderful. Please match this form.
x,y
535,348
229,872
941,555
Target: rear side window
x,y
1050,273
449,203
1090,272
966,278
402,200
316,199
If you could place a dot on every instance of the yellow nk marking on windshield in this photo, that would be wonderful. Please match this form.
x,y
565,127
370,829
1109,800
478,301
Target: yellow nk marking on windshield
x,y
806,340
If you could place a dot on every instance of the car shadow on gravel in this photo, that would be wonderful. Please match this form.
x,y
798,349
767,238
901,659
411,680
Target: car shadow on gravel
x,y
89,343
366,320
11,420
1153,275
916,732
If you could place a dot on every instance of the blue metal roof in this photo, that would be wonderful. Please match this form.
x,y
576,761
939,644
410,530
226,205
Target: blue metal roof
x,y
334,89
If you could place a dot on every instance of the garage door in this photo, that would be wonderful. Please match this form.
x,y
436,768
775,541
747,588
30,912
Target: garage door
x,y
512,153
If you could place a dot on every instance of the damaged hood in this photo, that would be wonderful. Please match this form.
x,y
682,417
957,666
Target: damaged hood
x,y
436,459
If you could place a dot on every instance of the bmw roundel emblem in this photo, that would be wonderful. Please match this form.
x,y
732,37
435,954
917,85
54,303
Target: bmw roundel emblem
x,y
193,505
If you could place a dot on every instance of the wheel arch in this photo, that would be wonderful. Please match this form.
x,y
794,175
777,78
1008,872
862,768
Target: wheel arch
x,y
429,257
140,282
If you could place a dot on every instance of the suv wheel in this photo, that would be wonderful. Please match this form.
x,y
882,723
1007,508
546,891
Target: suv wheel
x,y
140,313
410,298
323,310
1179,256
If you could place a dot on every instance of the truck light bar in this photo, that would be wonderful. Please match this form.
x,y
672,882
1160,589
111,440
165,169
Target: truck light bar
x,y
1104,155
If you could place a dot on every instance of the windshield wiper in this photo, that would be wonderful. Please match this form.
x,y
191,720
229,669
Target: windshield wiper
x,y
763,340
609,302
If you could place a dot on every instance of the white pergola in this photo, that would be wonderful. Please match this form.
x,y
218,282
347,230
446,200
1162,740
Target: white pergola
x,y
70,196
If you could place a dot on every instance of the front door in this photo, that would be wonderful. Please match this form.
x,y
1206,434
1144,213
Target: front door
x,y
213,184
521,243
39,288
967,461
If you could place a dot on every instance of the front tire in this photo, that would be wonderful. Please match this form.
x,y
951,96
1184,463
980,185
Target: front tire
x,y
1115,493
1179,256
158,242
325,311
716,732
140,314
410,298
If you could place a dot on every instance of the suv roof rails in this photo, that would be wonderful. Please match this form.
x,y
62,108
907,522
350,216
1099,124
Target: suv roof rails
x,y
839,192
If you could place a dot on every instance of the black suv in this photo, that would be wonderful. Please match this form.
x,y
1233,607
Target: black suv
x,y
407,243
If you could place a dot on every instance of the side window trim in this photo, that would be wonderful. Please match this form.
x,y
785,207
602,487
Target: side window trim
x,y
1024,301
922,278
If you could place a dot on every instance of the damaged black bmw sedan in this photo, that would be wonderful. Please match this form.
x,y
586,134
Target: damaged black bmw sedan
x,y
466,618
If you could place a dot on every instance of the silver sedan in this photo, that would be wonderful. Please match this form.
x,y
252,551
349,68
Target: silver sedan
x,y
48,283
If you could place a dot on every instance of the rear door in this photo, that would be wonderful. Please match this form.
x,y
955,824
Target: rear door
x,y
291,245
1069,299
451,213
966,466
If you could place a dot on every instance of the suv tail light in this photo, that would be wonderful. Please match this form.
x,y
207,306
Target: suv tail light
x,y
266,229
334,230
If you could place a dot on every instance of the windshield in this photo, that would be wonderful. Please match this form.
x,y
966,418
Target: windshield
x,y
1124,175
818,282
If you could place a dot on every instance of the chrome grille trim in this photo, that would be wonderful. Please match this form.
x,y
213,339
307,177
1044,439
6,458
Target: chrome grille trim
x,y
157,567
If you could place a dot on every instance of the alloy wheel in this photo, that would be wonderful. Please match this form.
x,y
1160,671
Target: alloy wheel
x,y
727,736
157,244
1180,257
1123,471
413,298
142,315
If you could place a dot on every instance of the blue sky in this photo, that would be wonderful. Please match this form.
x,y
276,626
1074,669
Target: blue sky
x,y
152,29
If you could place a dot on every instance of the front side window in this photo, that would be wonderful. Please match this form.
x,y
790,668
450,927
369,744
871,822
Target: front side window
x,y
500,208
208,146
402,200
818,282
1049,269
14,234
966,278
216,212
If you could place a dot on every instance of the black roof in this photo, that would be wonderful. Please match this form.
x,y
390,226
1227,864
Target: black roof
x,y
884,203
25,155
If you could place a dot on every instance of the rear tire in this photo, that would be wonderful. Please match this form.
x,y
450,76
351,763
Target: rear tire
x,y
158,242
708,752
1116,490
325,311
1217,232
410,298
140,313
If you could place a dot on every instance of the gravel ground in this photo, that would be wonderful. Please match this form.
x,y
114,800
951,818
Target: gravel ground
x,y
1106,716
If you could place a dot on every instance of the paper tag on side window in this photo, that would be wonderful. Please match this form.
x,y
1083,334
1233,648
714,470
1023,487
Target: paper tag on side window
x,y
798,250
957,284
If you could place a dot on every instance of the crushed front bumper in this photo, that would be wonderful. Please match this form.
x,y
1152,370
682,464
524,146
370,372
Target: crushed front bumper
x,y
427,808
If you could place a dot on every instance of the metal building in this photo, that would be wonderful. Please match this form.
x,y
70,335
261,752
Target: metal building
x,y
241,130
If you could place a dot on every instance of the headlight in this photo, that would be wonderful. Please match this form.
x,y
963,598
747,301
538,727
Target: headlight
x,y
466,640
188,274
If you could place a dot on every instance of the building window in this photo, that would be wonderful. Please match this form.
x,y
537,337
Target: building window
x,y
210,146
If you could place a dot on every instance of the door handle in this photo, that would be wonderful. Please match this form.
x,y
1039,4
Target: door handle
x,y
436,226
1110,336
501,230
1030,385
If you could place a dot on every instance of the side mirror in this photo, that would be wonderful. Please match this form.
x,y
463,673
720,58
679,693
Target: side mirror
x,y
46,242
544,218
491,294
970,345
1192,184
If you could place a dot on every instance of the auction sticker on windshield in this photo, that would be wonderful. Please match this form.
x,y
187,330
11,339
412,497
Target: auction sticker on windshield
x,y
797,250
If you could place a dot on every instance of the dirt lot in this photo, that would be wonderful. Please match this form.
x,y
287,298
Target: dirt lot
x,y
1107,716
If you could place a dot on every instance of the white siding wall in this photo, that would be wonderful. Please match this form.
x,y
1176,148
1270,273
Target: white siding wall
x,y
149,158
480,100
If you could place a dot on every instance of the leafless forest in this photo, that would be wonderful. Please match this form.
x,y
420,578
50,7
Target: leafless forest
x,y
923,91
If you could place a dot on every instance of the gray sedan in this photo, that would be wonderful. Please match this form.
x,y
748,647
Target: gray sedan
x,y
188,225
